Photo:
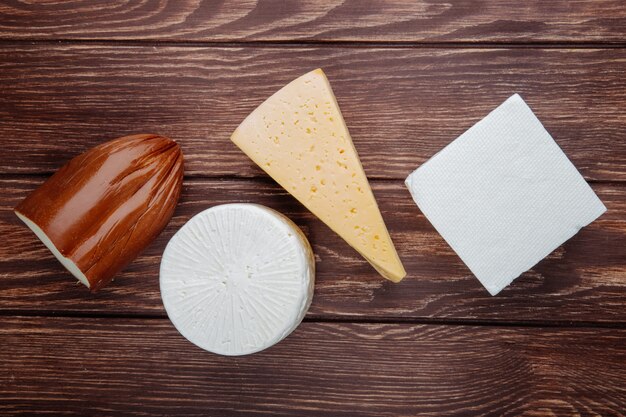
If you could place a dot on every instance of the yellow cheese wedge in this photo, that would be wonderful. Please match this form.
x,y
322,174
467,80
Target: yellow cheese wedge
x,y
298,136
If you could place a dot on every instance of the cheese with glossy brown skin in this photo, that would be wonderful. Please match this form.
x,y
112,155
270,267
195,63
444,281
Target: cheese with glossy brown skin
x,y
100,210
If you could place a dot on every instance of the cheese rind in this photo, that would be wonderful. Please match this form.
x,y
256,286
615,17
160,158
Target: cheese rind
x,y
298,136
237,278
66,262
102,208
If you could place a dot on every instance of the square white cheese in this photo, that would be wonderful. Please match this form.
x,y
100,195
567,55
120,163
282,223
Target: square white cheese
x,y
504,195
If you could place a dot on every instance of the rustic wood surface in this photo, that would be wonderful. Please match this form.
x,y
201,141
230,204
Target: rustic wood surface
x,y
324,20
143,367
72,97
409,77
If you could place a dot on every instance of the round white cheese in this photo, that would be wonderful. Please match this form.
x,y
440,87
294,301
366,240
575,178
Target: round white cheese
x,y
237,278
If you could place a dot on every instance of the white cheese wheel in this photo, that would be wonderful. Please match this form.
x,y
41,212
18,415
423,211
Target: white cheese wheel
x,y
237,278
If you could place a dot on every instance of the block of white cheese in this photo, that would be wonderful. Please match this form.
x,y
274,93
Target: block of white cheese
x,y
237,278
298,136
504,195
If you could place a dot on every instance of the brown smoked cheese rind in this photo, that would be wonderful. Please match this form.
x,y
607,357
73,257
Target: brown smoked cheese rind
x,y
100,210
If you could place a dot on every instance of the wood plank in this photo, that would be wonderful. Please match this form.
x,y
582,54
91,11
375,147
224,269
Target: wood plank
x,y
401,105
144,367
583,281
328,20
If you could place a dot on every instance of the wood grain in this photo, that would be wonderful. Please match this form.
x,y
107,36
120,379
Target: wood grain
x,y
410,77
401,105
583,281
328,20
144,367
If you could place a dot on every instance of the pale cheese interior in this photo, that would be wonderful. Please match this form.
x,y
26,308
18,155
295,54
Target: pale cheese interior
x,y
298,136
66,262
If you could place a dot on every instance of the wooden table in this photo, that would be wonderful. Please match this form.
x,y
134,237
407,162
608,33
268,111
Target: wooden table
x,y
410,77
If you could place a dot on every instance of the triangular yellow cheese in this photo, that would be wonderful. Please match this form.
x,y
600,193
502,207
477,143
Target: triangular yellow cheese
x,y
298,136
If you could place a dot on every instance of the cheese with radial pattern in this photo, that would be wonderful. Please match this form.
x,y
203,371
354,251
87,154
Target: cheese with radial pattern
x,y
298,136
237,278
